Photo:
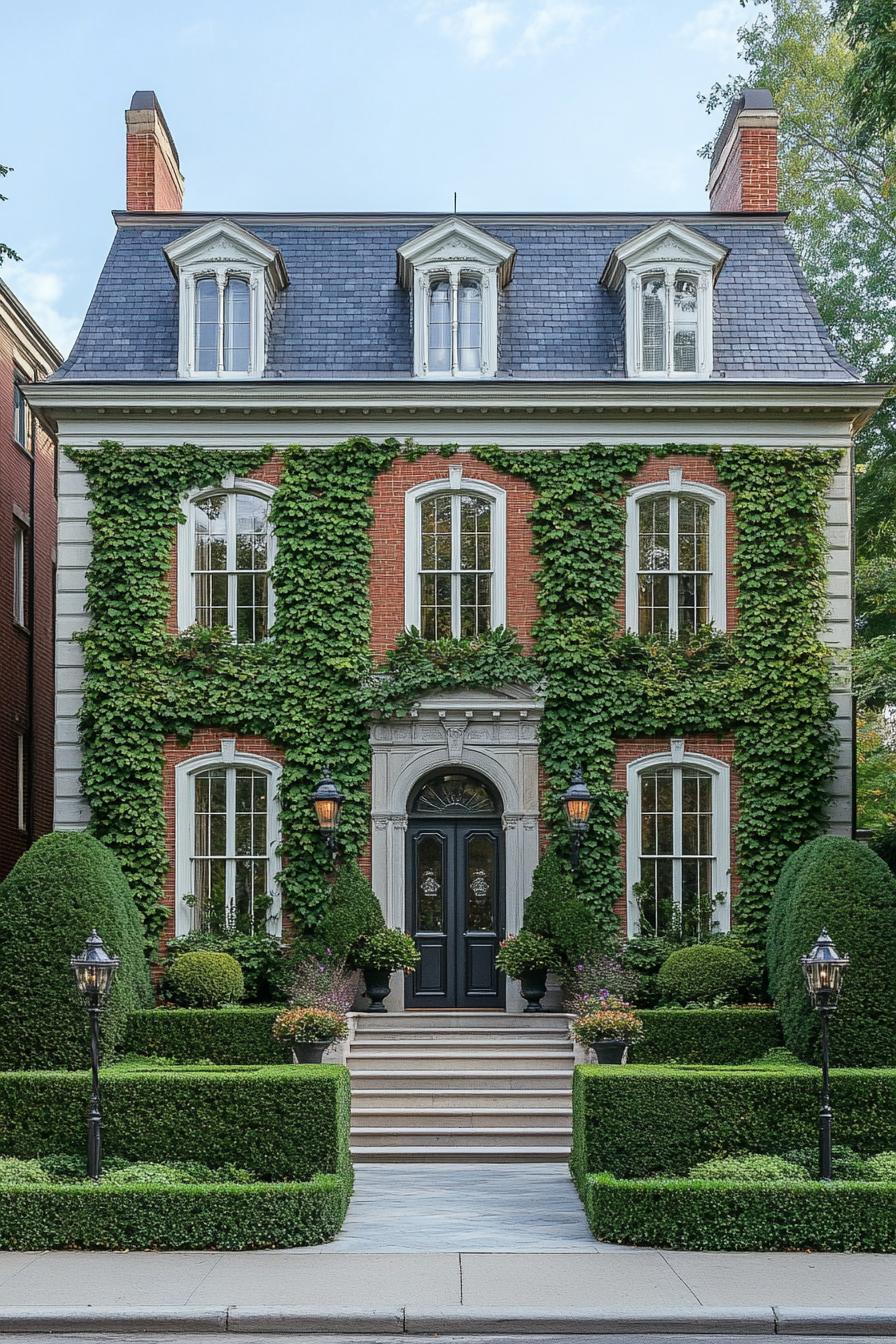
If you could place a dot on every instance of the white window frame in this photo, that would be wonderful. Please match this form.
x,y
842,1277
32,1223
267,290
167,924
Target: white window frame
x,y
186,549
456,484
720,773
454,251
675,486
221,250
21,415
21,819
19,571
669,249
184,822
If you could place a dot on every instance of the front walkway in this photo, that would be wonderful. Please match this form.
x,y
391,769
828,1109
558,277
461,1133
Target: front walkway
x,y
479,1206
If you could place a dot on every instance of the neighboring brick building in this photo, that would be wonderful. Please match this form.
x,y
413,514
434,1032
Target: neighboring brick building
x,y
27,580
530,332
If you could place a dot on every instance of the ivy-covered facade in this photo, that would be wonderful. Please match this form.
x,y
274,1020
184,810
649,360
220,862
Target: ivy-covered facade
x,y
392,498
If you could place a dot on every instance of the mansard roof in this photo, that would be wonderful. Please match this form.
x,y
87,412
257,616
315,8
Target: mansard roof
x,y
345,315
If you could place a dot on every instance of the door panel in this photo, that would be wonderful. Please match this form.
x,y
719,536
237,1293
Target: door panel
x,y
480,881
429,916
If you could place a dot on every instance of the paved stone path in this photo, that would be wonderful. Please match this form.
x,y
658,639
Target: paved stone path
x,y
480,1206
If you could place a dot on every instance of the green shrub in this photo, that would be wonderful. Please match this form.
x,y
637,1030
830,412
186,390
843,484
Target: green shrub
x,y
204,980
706,1035
261,956
840,885
643,956
705,973
749,1167
646,1121
283,1123
352,913
743,1216
21,1171
884,845
217,1035
846,1164
525,953
65,885
880,1167
554,911
159,1216
149,1173
389,950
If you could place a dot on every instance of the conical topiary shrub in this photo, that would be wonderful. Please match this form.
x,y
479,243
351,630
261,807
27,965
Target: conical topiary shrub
x,y
65,885
840,885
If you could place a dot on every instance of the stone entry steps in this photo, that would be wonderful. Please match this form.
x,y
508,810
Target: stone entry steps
x,y
461,1087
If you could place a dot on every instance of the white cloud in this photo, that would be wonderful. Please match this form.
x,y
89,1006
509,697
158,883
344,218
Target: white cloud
x,y
504,30
42,292
713,29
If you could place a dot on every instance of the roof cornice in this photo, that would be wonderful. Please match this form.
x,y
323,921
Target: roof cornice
x,y
142,219
17,315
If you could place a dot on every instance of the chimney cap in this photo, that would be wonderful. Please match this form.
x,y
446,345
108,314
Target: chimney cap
x,y
145,100
749,100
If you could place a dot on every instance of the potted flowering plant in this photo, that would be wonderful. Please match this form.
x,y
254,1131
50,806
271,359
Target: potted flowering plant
x,y
608,1027
378,955
309,1031
527,957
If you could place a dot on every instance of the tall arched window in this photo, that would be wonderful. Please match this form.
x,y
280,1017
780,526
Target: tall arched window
x,y
222,318
678,845
454,558
440,326
225,561
675,568
454,325
226,843
669,322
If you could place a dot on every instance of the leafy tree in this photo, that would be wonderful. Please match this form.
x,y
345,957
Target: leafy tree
x,y
4,250
875,776
869,27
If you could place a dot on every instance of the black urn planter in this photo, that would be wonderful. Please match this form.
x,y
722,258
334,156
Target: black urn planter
x,y
610,1052
533,987
376,987
309,1052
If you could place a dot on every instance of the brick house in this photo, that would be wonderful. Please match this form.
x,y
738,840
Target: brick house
x,y
27,579
535,333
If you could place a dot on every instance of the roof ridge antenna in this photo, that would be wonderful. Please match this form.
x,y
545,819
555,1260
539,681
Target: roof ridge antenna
x,y
455,202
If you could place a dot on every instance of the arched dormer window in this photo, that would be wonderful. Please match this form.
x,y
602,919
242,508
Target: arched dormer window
x,y
454,557
675,557
454,272
225,555
227,834
677,860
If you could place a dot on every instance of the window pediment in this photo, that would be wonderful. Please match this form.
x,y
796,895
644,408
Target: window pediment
x,y
666,243
454,240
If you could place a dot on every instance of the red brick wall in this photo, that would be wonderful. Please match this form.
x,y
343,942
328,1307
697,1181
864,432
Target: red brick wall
x,y
749,180
387,538
704,744
150,185
25,709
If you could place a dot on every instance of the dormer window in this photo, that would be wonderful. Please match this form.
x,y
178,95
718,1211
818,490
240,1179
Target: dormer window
x,y
228,281
667,275
454,272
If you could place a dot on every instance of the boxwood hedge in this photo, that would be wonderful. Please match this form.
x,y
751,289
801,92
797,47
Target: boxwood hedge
x,y
738,1216
162,1217
221,1035
657,1120
705,1035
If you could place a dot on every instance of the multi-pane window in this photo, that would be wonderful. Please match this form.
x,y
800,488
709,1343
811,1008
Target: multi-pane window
x,y
19,571
669,322
231,564
456,565
20,419
230,860
222,325
677,858
674,573
454,326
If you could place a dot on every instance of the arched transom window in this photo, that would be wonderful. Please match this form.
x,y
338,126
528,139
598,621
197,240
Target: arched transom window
x,y
678,846
675,566
455,559
230,553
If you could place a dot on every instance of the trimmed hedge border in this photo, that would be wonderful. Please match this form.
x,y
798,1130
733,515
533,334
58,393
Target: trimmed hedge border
x,y
189,1217
219,1035
653,1120
703,1035
741,1216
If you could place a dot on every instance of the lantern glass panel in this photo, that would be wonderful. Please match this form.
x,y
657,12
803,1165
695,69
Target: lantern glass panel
x,y
327,810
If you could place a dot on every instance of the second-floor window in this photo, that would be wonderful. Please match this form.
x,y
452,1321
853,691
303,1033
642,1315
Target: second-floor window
x,y
223,322
228,564
19,571
675,568
20,417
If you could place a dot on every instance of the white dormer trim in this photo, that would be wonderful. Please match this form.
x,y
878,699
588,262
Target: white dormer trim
x,y
221,250
455,250
671,250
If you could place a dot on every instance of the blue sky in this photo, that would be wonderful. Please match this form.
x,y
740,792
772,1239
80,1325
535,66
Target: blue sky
x,y
348,105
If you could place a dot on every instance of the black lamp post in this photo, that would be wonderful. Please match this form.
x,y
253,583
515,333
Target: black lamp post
x,y
823,969
94,970
328,801
577,801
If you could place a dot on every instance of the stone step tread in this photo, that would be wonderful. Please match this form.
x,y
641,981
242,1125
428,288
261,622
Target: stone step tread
x,y
458,1073
434,1153
458,1050
478,1111
511,1131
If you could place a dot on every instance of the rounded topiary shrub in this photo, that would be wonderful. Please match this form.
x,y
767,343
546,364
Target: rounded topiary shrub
x,y
352,913
204,980
704,973
840,885
554,911
65,885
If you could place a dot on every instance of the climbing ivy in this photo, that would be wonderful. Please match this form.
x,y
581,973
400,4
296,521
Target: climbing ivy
x,y
312,688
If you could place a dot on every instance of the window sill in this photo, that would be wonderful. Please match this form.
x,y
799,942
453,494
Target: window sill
x,y
22,629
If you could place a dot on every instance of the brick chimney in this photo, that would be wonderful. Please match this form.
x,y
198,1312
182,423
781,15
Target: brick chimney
x,y
743,173
154,179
